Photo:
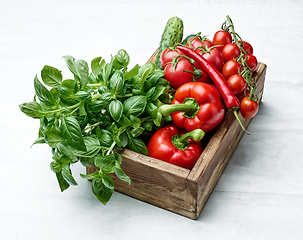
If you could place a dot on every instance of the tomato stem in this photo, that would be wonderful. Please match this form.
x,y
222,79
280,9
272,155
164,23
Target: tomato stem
x,y
238,119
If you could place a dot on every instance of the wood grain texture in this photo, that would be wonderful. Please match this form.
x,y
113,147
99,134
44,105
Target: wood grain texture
x,y
177,189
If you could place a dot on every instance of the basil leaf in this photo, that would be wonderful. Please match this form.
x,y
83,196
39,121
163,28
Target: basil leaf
x,y
154,77
124,121
71,131
55,166
120,174
65,150
134,105
135,122
67,175
147,67
42,93
135,144
79,68
108,182
51,76
52,136
102,193
136,132
116,82
89,176
97,65
123,58
97,105
116,109
133,72
63,184
158,92
81,95
92,148
106,163
32,109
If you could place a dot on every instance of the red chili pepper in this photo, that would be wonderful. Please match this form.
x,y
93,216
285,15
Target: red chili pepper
x,y
176,146
231,101
196,105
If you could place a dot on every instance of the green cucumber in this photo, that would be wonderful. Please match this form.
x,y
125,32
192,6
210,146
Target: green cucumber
x,y
172,34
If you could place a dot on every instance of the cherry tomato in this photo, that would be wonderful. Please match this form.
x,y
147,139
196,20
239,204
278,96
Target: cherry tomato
x,y
230,51
196,42
252,62
177,75
248,108
237,83
247,47
221,38
243,94
230,68
215,57
167,56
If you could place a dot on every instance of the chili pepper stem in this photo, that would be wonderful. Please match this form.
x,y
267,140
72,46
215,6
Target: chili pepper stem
x,y
238,119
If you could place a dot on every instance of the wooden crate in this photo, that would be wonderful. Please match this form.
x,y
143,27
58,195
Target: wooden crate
x,y
176,189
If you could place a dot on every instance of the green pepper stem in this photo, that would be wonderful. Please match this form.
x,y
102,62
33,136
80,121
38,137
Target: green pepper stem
x,y
181,142
196,135
189,107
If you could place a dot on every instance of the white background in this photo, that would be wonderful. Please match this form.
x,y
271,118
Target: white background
x,y
259,195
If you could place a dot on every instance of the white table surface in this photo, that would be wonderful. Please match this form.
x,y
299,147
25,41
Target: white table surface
x,y
260,193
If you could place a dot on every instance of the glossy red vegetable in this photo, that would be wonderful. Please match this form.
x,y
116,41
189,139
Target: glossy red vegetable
x,y
176,146
248,108
221,38
197,105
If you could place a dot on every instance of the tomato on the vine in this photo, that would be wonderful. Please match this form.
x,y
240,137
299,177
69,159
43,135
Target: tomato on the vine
x,y
230,51
221,38
199,43
179,72
251,61
230,68
244,93
168,54
247,47
215,57
248,108
237,83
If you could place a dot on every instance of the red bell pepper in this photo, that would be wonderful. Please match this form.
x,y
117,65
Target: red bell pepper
x,y
196,105
176,146
231,101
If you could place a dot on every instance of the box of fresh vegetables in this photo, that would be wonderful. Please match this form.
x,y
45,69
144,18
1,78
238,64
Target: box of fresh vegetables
x,y
161,132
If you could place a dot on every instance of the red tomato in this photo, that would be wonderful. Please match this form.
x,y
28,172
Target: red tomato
x,y
230,68
196,42
168,54
221,38
177,75
215,57
243,94
248,108
237,83
252,62
247,47
230,51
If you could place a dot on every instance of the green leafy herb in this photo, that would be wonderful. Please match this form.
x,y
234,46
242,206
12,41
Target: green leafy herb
x,y
88,118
